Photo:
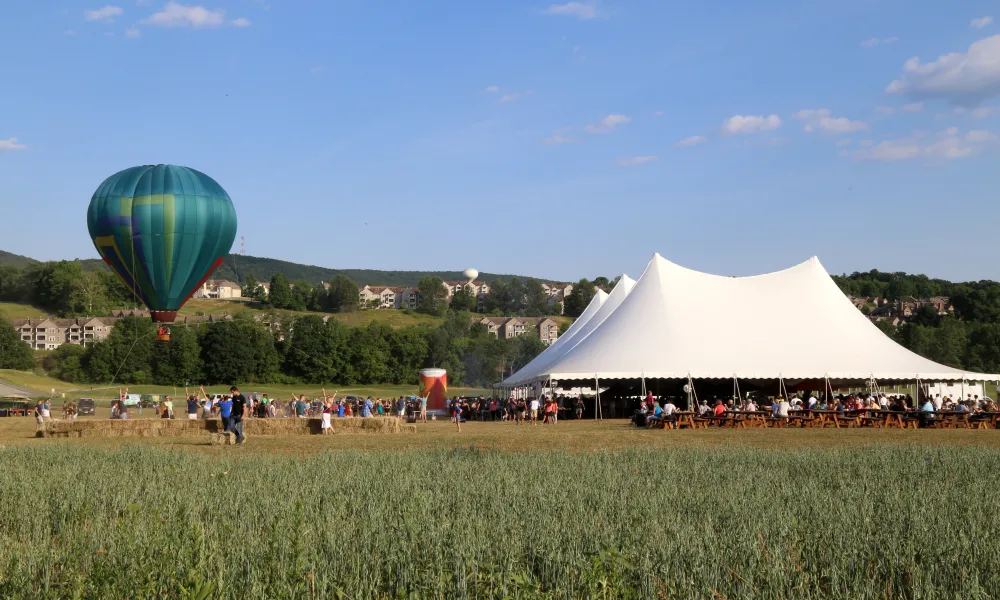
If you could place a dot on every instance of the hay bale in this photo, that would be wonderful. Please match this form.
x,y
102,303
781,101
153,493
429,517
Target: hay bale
x,y
223,439
409,429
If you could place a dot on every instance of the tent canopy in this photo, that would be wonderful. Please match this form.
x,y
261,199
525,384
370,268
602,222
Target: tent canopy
x,y
792,324
556,348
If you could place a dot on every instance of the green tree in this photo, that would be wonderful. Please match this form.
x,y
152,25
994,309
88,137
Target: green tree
x,y
65,289
536,301
280,295
239,351
65,363
178,362
253,290
463,300
315,351
302,296
117,294
342,295
14,354
433,298
577,300
125,356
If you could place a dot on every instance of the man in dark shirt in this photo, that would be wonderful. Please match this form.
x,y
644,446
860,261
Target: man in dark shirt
x,y
236,417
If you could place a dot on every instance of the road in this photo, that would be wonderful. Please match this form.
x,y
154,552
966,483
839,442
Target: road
x,y
7,389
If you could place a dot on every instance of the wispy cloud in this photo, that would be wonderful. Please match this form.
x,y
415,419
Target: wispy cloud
x,y
580,10
842,143
69,32
180,15
947,145
913,107
513,97
688,142
316,69
608,124
980,22
658,113
744,124
133,33
960,77
240,22
872,42
560,137
632,161
106,14
11,144
492,89
885,110
983,112
820,120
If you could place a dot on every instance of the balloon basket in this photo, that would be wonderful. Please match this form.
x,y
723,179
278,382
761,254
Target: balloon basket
x,y
163,335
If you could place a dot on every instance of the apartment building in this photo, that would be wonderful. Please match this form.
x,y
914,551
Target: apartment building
x,y
512,327
49,334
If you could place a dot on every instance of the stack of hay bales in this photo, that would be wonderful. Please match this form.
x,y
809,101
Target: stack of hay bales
x,y
213,427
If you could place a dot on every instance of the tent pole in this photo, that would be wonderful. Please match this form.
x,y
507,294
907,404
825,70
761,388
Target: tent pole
x,y
597,395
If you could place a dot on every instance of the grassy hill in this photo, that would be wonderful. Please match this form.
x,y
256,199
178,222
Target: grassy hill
x,y
15,260
237,268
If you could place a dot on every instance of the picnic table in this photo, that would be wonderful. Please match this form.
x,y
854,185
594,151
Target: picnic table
x,y
685,418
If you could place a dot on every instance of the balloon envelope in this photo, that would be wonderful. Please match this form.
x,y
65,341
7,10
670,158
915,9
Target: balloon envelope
x,y
163,229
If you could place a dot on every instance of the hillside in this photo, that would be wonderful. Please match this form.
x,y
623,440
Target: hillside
x,y
237,268
15,260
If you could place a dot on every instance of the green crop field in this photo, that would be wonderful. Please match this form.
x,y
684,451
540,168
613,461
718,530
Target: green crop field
x,y
462,521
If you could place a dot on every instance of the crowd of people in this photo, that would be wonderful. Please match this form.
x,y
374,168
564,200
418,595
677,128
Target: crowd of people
x,y
652,410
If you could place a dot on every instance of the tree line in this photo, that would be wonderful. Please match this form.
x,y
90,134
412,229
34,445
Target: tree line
x,y
305,349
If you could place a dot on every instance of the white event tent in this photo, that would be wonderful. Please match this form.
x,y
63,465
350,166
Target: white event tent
x,y
682,324
554,350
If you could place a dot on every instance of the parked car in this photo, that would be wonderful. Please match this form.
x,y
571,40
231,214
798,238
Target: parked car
x,y
85,406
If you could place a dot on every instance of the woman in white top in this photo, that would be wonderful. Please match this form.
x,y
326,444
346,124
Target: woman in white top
x,y
327,411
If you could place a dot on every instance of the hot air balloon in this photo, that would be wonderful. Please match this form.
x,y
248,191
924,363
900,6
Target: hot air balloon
x,y
163,229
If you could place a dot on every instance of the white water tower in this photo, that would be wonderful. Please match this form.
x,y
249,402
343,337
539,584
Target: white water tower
x,y
470,274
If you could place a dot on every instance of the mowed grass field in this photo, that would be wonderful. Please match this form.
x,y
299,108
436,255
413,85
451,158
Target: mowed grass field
x,y
575,510
48,386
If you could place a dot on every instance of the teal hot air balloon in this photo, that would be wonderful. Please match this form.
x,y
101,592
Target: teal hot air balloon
x,y
163,229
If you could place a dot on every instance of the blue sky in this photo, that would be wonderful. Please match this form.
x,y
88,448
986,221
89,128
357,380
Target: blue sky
x,y
555,140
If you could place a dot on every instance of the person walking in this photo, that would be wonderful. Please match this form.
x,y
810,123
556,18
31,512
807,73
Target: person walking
x,y
239,410
226,412
456,408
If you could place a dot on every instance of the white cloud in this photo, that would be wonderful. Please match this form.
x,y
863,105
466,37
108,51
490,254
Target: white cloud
x,y
983,111
316,69
579,10
750,124
913,107
885,110
104,15
513,97
658,113
180,15
819,120
842,143
559,137
947,145
240,22
634,160
608,124
694,140
133,33
866,143
980,22
871,43
11,144
142,2
492,89
980,135
69,32
960,77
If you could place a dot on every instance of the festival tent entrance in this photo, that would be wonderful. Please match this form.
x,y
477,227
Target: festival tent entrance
x,y
789,326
